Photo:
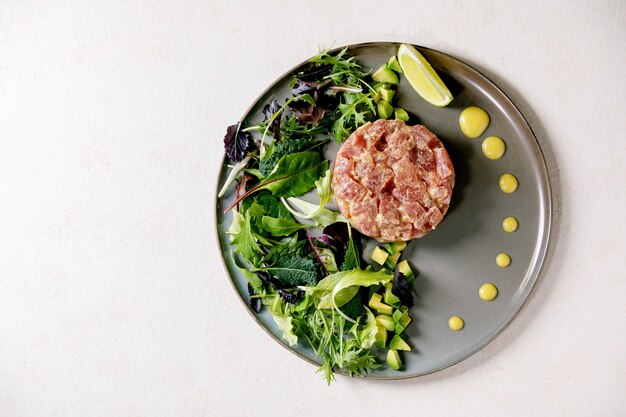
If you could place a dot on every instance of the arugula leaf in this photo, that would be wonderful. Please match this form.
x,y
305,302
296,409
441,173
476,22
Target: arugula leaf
x,y
237,143
352,259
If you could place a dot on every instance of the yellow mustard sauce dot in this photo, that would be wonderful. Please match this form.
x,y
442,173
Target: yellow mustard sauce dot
x,y
487,292
508,183
503,260
456,323
510,224
473,121
493,147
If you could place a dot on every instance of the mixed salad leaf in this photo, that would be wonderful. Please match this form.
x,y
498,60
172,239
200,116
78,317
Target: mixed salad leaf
x,y
302,259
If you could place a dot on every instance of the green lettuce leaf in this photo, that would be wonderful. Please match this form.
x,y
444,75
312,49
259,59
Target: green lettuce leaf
x,y
241,234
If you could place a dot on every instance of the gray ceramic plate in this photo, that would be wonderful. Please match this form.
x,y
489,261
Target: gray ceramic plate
x,y
457,258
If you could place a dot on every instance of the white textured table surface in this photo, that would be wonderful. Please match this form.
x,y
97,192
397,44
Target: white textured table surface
x,y
113,301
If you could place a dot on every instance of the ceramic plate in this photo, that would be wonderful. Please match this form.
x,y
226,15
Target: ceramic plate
x,y
459,256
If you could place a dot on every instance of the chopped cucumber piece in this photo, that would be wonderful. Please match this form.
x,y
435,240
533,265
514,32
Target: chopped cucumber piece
x,y
385,75
392,260
401,114
398,343
379,256
393,359
397,315
390,297
405,269
393,64
387,94
385,110
386,321
381,336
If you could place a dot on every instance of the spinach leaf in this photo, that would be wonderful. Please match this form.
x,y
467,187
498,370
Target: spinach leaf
x,y
286,147
293,175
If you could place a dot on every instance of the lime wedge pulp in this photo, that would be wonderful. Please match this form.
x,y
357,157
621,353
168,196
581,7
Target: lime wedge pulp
x,y
423,77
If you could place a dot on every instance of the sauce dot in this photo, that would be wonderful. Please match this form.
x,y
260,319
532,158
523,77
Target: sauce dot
x,y
508,183
473,121
503,260
487,292
456,323
510,224
493,147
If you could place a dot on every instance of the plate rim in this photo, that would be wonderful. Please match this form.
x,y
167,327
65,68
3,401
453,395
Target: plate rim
x,y
539,264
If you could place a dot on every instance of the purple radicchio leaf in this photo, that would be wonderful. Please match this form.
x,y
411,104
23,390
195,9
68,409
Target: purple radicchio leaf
x,y
314,72
237,143
255,302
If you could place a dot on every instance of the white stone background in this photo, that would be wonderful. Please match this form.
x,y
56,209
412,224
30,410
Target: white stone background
x,y
113,300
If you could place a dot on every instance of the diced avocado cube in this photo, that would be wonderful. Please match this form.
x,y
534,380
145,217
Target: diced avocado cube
x,y
379,256
392,260
404,309
376,300
385,110
398,343
390,297
397,315
400,114
387,94
393,359
393,64
386,321
399,328
405,268
383,308
405,319
399,245
381,336
385,75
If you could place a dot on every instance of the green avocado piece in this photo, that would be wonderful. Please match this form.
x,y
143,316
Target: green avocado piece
x,y
386,321
393,359
392,260
385,75
405,269
390,297
381,336
398,343
401,114
399,328
393,64
405,319
378,255
397,315
385,110
387,94
376,300
385,309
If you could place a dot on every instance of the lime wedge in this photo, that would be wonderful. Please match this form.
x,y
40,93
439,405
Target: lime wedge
x,y
423,77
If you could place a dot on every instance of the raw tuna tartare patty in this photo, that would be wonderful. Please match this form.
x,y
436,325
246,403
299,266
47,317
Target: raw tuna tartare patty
x,y
392,181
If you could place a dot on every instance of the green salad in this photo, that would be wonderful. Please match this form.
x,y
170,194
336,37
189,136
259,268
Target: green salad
x,y
303,260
